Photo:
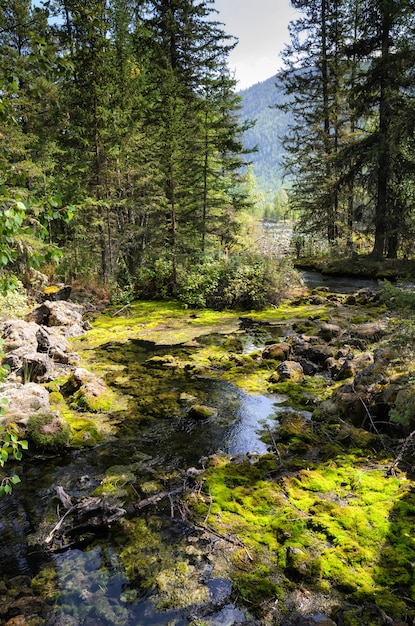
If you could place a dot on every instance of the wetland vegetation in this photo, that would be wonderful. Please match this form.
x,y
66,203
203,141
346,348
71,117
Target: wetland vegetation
x,y
250,491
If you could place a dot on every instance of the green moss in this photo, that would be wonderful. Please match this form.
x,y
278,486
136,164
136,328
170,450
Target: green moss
x,y
46,584
115,482
257,587
84,432
164,322
85,401
329,526
47,432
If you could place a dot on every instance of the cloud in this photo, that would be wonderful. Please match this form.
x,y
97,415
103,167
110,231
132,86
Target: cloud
x,y
262,30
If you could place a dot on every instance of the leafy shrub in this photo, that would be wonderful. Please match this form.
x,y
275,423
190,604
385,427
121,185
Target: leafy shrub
x,y
243,281
13,300
397,297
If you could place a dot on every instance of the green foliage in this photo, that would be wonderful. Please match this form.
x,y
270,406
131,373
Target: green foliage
x,y
396,297
240,281
13,300
11,447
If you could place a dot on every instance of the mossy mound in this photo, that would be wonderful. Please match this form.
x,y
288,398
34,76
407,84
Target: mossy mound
x,y
47,432
338,526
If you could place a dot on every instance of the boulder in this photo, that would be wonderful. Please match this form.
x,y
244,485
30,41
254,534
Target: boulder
x,y
54,343
58,313
24,401
18,333
57,292
370,331
288,370
276,351
88,392
329,331
29,366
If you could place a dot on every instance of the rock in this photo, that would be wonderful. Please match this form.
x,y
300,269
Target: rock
x,y
288,370
76,330
57,314
370,331
165,361
201,412
52,342
18,333
57,292
88,391
300,565
32,366
23,401
309,368
32,350
349,405
311,349
276,351
329,331
19,620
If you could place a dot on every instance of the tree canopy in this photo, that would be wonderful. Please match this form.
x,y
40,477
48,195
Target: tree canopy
x,y
121,143
349,79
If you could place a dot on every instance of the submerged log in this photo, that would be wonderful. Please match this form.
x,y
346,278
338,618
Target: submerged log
x,y
87,515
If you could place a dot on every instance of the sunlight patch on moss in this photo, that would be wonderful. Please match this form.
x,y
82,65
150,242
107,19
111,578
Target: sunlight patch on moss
x,y
165,323
329,526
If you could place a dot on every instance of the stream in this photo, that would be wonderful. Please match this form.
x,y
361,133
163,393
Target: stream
x,y
92,584
155,436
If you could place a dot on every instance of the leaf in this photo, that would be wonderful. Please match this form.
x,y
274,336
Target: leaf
x,y
7,489
24,444
15,479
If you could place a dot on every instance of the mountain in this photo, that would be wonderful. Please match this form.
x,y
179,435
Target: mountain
x,y
266,134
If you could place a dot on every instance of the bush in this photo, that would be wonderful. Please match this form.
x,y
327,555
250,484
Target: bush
x,y
13,301
397,297
241,281
244,281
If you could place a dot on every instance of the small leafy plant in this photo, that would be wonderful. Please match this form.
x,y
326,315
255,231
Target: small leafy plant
x,y
11,447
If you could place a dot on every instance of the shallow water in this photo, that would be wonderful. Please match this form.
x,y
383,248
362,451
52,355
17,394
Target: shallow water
x,y
155,436
338,284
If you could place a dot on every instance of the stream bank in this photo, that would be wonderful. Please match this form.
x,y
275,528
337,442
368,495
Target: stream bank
x,y
312,527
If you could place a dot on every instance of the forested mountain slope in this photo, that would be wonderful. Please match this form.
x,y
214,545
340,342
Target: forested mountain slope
x,y
267,132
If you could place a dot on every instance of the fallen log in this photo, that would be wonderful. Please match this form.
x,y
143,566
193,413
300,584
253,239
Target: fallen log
x,y
87,515
157,497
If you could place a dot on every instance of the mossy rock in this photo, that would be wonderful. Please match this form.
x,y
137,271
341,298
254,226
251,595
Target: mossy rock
x,y
165,361
85,400
302,566
201,412
84,433
48,432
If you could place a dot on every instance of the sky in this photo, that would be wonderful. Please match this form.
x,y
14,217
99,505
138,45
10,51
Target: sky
x,y
262,29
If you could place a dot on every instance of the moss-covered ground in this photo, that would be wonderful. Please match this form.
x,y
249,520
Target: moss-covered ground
x,y
319,512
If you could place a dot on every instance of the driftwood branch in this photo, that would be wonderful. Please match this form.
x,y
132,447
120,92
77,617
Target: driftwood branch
x,y
401,452
157,497
86,514
367,411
